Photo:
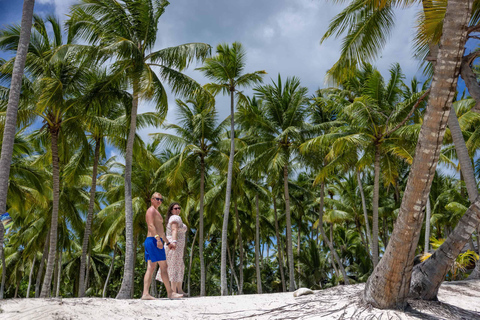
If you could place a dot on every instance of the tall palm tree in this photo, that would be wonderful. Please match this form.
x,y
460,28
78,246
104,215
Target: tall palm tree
x,y
11,116
127,31
196,138
226,69
281,122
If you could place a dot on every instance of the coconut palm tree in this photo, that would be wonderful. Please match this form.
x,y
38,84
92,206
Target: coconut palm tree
x,y
11,116
226,69
126,32
196,138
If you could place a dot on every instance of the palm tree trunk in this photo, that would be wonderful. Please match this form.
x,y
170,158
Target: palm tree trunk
x,y
279,245
257,245
55,275
200,223
128,270
47,281
87,272
376,194
223,267
291,268
11,118
365,215
329,243
389,285
42,264
60,265
88,224
232,269
428,212
109,272
190,263
240,249
16,288
135,243
299,223
30,276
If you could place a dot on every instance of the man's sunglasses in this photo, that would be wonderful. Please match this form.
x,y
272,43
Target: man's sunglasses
x,y
159,199
177,208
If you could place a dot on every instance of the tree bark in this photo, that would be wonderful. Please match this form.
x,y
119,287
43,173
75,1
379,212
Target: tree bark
x,y
60,265
88,224
428,211
109,272
240,249
128,270
232,270
389,285
42,264
11,118
376,194
279,246
201,240
291,268
47,281
257,245
223,267
365,215
190,263
30,275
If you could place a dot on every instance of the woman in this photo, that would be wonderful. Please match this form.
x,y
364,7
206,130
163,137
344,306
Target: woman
x,y
176,236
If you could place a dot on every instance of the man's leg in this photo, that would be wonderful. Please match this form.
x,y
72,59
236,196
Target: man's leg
x,y
147,280
166,281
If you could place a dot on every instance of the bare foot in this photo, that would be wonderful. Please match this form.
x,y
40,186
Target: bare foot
x,y
175,295
147,297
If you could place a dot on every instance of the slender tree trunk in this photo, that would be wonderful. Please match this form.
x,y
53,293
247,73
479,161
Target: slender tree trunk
x,y
60,265
190,263
104,293
232,269
16,288
87,272
201,239
389,285
11,118
376,193
279,246
128,270
325,238
135,243
88,224
298,244
428,211
42,264
291,268
223,267
257,245
240,248
365,215
47,281
55,276
30,275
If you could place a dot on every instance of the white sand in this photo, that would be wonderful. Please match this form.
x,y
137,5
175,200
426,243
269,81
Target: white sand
x,y
458,300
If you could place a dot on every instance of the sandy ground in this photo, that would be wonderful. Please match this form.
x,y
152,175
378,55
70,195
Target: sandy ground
x,y
457,300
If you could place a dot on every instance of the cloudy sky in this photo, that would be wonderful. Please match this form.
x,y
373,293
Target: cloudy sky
x,y
280,36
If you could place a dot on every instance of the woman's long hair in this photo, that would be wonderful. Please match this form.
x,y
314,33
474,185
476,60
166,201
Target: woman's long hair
x,y
169,212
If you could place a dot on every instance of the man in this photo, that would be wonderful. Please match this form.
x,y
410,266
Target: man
x,y
154,250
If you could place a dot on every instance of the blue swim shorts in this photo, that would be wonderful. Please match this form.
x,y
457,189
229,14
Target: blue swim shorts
x,y
152,252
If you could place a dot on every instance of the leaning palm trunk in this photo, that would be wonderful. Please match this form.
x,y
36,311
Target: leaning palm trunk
x,y
257,245
30,275
428,211
109,272
329,243
47,281
240,249
232,269
389,285
201,240
42,264
376,193
190,263
291,273
365,215
223,267
11,119
279,246
127,282
88,224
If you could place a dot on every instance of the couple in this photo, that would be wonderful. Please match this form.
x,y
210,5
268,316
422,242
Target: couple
x,y
155,251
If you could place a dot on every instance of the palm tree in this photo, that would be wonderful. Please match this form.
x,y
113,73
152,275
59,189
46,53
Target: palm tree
x,y
197,138
127,32
11,116
281,122
226,69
